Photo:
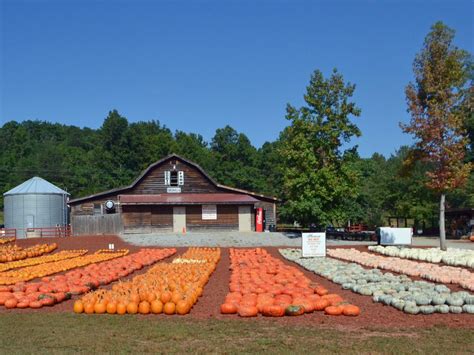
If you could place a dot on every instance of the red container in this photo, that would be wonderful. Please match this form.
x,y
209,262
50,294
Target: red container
x,y
259,219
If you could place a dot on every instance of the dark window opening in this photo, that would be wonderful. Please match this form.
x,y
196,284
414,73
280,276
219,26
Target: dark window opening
x,y
97,208
174,178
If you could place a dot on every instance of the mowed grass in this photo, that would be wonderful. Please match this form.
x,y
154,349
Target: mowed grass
x,y
70,333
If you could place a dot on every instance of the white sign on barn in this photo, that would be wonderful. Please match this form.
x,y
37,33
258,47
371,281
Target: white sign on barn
x,y
313,244
209,212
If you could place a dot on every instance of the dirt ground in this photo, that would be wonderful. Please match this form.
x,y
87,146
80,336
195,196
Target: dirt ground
x,y
373,314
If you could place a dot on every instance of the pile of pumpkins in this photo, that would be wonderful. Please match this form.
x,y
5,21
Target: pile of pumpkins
x,y
452,256
62,255
5,240
55,289
429,271
169,288
28,273
398,291
10,253
262,284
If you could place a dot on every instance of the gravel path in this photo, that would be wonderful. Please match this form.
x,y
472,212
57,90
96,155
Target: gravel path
x,y
253,239
212,239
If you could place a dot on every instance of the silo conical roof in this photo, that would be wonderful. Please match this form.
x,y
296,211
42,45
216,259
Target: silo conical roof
x,y
35,185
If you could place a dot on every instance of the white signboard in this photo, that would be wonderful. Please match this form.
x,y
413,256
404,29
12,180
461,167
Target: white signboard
x,y
313,244
395,236
173,190
209,212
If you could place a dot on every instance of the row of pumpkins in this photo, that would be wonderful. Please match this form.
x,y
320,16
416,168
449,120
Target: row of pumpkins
x,y
55,289
28,273
452,256
398,291
13,252
429,271
61,255
262,284
6,240
170,288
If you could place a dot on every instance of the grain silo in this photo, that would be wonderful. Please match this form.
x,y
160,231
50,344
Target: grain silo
x,y
36,203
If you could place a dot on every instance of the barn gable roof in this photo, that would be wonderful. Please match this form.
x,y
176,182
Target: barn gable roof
x,y
161,161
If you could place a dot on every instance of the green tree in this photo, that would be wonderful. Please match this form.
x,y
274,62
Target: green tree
x,y
193,147
270,165
437,122
234,160
318,176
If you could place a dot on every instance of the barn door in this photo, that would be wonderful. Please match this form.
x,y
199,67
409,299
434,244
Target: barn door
x,y
179,219
245,219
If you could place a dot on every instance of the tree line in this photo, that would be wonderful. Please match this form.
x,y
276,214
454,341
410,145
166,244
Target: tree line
x,y
307,167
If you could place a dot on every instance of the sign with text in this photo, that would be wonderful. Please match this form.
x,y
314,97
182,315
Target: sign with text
x,y
395,236
173,190
209,212
313,244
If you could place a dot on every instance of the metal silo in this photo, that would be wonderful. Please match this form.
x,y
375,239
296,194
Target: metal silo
x,y
36,203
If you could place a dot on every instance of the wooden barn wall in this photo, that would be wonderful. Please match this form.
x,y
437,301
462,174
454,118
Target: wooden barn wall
x,y
147,219
93,225
86,208
162,218
136,219
154,182
227,218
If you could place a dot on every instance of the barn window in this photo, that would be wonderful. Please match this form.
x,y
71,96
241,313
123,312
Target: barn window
x,y
173,178
97,208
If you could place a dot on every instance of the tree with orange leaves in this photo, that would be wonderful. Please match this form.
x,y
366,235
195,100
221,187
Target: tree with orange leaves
x,y
436,103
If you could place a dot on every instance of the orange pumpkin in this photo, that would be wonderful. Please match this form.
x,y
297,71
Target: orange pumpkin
x,y
182,307
176,297
78,307
36,304
273,311
144,307
169,308
132,308
111,308
247,311
88,308
156,306
100,308
229,308
11,303
321,291
333,310
165,297
121,308
351,310
320,304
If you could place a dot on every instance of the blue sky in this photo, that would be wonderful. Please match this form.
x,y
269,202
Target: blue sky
x,y
200,65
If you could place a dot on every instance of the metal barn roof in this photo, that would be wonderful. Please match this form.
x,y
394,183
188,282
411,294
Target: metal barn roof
x,y
185,199
35,185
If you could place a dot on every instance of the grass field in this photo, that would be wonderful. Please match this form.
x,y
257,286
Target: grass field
x,y
68,333
1,217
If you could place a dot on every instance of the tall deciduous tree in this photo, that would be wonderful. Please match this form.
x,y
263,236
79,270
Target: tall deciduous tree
x,y
317,178
437,122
